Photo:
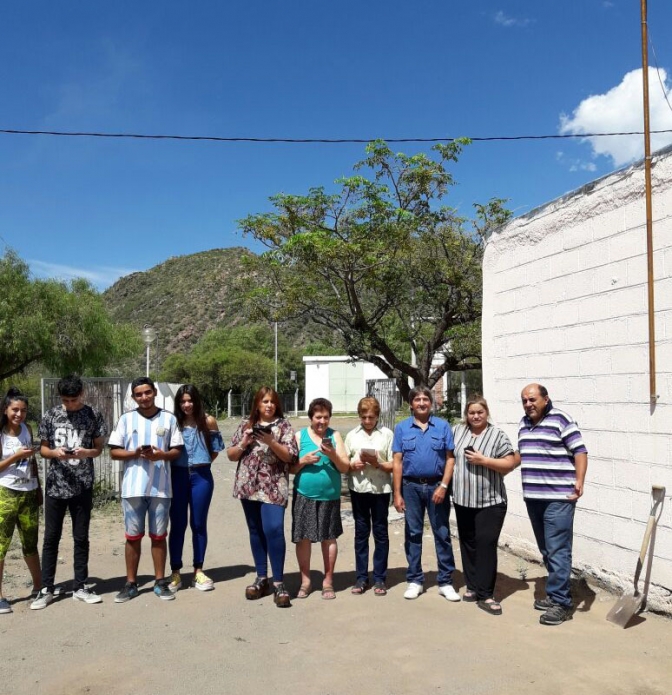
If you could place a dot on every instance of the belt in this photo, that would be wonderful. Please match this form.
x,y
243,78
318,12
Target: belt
x,y
422,481
199,465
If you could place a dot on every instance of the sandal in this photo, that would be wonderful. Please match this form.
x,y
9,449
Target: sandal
x,y
281,596
305,590
328,593
361,585
259,589
469,596
379,589
490,606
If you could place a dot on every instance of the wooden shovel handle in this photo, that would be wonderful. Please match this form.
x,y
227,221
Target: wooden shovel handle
x,y
645,544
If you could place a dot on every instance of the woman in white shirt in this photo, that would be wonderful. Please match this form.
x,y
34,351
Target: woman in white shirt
x,y
19,488
369,449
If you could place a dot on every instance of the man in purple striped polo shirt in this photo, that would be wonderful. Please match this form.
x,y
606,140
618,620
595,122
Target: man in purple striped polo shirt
x,y
554,463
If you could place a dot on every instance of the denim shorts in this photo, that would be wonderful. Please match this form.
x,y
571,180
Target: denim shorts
x,y
135,509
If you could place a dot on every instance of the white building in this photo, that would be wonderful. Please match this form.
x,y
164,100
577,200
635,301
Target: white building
x,y
343,380
565,304
340,379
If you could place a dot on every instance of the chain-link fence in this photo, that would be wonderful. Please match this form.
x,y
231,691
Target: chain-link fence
x,y
239,404
385,391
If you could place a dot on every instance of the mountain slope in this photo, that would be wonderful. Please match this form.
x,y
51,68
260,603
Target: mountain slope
x,y
182,297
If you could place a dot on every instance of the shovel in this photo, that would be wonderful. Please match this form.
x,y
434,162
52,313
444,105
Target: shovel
x,y
631,600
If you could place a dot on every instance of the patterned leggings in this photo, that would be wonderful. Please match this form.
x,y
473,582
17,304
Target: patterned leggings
x,y
18,509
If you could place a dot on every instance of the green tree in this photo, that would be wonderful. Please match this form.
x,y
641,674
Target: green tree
x,y
383,264
63,326
240,359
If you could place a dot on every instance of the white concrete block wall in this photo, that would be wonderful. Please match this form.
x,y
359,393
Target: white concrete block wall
x,y
565,304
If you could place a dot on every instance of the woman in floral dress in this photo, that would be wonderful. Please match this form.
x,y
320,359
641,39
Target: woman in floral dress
x,y
263,446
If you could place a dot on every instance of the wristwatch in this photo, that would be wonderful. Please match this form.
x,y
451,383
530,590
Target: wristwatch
x,y
444,486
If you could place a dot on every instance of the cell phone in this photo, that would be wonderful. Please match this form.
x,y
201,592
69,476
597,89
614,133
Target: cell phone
x,y
262,429
369,452
326,441
469,448
146,447
69,452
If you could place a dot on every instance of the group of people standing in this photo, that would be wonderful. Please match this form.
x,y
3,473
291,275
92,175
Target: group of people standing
x,y
145,439
421,465
167,479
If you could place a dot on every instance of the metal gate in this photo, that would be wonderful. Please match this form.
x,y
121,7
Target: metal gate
x,y
385,391
105,394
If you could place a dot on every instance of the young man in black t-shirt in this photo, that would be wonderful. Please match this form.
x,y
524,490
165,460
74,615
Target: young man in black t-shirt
x,y
71,435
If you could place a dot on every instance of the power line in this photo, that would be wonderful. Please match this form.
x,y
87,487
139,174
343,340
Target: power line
x,y
660,79
334,141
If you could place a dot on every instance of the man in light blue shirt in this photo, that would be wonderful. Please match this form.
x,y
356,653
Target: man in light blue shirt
x,y
423,463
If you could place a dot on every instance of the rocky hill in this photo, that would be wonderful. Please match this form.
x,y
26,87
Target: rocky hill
x,y
186,296
181,298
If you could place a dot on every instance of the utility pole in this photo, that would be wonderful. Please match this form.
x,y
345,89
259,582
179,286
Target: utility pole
x,y
276,356
649,213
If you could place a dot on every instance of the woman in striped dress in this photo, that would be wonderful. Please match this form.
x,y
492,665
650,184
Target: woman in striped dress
x,y
483,456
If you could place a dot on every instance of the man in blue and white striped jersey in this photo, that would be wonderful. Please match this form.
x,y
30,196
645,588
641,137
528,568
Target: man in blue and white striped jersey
x,y
146,440
554,463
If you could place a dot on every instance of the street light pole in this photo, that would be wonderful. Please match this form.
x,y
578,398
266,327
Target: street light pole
x,y
276,356
148,336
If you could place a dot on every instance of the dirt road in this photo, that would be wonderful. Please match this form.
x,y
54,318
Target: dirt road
x,y
217,642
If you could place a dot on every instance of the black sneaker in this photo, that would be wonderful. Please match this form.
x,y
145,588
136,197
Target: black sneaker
x,y
556,615
543,604
162,590
127,593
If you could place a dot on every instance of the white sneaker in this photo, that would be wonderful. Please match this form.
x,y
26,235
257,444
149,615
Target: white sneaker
x,y
43,599
447,591
203,582
86,596
413,590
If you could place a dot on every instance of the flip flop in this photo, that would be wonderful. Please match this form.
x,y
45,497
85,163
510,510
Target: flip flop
x,y
469,596
304,591
360,587
379,589
328,593
490,606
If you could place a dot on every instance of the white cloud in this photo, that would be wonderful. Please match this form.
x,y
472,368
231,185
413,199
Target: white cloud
x,y
101,276
620,110
505,21
578,165
574,164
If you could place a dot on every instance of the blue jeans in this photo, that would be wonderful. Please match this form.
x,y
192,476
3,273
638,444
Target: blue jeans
x,y
266,524
369,509
192,494
418,499
553,526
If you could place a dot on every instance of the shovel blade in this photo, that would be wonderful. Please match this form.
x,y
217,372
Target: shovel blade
x,y
624,609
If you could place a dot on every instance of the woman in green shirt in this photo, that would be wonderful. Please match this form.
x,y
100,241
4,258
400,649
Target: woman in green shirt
x,y
316,504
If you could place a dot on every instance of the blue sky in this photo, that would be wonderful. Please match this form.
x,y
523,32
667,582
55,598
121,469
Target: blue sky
x,y
298,69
